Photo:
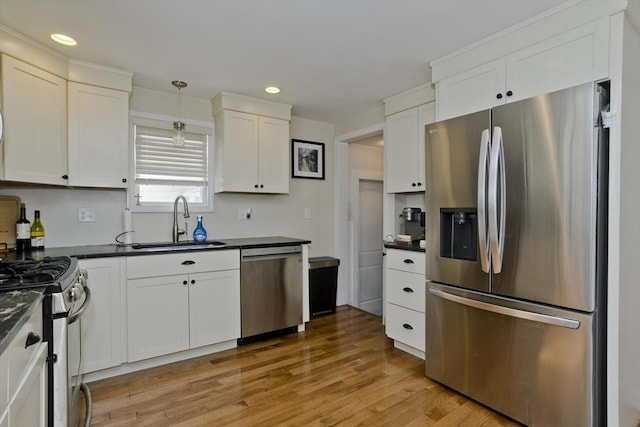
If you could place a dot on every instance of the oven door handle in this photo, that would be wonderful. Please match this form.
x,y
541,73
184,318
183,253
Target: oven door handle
x,y
87,297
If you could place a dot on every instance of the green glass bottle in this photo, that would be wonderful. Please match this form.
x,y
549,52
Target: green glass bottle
x,y
37,232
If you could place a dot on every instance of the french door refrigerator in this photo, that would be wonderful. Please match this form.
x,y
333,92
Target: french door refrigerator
x,y
516,256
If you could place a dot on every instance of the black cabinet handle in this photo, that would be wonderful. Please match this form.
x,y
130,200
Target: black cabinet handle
x,y
255,186
499,96
407,326
261,186
65,176
419,184
193,282
124,179
184,282
408,261
413,184
509,93
32,339
188,262
408,290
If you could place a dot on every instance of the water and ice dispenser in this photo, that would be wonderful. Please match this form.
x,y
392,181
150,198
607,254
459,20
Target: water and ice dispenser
x,y
459,233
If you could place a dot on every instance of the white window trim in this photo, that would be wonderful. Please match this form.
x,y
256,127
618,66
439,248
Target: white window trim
x,y
131,189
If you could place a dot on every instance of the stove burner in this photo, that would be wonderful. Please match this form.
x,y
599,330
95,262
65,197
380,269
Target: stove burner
x,y
31,273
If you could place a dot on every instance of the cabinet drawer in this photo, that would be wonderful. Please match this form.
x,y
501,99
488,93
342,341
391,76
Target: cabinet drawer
x,y
406,289
19,356
411,261
406,326
182,263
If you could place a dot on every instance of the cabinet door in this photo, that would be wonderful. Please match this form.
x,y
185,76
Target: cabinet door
x,y
98,136
34,109
400,147
157,316
102,321
214,304
406,326
29,405
239,160
406,289
426,115
273,157
473,90
573,58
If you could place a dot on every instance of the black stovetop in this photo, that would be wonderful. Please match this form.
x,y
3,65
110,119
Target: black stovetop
x,y
32,273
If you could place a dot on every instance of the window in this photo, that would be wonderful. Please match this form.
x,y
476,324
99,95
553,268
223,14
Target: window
x,y
164,171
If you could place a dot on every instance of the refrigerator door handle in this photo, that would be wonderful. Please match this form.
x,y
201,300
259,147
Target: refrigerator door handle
x,y
507,311
483,243
496,177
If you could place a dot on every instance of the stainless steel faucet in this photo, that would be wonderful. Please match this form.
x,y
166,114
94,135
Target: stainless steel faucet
x,y
177,232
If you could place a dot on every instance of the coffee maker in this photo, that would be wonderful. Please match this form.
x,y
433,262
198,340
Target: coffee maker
x,y
412,223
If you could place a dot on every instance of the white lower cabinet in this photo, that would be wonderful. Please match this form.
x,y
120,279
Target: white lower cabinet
x,y
102,322
24,389
29,405
171,313
405,293
214,307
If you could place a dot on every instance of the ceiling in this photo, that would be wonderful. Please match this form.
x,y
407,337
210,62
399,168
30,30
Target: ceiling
x,y
332,58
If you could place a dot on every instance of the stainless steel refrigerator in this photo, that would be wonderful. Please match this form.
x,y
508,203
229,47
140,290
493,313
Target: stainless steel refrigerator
x,y
516,257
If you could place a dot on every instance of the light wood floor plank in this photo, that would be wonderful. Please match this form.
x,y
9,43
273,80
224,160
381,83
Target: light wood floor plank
x,y
341,371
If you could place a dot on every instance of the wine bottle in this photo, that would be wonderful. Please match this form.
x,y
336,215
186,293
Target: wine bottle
x,y
23,231
199,233
37,232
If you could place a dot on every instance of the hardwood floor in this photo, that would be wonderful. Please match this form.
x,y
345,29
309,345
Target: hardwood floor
x,y
341,371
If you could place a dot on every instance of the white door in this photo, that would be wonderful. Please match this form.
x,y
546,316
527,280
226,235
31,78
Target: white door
x,y
370,247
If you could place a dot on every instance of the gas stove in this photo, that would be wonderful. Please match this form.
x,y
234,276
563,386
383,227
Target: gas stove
x,y
55,272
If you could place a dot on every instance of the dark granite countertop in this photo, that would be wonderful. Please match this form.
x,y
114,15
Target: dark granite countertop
x,y
17,306
414,246
15,309
113,250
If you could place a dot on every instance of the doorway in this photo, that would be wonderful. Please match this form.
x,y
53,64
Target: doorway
x,y
368,294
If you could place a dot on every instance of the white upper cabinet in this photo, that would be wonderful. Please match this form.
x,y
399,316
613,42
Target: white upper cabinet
x,y
65,127
540,65
273,155
404,170
407,114
35,124
98,136
472,90
252,145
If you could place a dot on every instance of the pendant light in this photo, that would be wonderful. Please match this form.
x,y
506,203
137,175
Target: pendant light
x,y
178,138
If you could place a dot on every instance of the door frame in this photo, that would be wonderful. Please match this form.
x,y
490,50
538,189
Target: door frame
x,y
354,227
341,207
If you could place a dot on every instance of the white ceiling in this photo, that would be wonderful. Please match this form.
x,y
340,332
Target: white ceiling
x,y
332,58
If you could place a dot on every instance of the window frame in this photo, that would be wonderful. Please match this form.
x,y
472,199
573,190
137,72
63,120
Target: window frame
x,y
162,121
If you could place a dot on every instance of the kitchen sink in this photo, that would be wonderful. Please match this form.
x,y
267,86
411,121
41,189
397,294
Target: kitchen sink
x,y
173,246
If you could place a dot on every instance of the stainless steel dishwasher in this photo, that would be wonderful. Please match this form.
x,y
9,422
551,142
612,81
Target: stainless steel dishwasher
x,y
271,289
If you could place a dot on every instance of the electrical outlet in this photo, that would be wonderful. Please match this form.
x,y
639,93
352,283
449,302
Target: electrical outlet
x,y
86,215
244,213
307,213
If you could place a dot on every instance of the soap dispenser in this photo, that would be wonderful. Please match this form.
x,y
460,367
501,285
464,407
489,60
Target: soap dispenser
x,y
199,233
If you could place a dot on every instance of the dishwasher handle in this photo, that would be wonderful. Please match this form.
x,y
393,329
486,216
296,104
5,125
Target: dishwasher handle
x,y
270,252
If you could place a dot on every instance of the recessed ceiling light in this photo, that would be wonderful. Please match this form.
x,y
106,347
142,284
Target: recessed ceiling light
x,y
64,39
272,89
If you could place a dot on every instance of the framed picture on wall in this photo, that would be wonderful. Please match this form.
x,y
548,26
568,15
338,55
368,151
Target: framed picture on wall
x,y
307,159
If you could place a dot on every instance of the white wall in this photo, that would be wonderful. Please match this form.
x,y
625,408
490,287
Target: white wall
x,y
281,215
629,291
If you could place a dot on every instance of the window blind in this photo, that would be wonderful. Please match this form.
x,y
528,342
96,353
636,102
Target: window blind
x,y
158,161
